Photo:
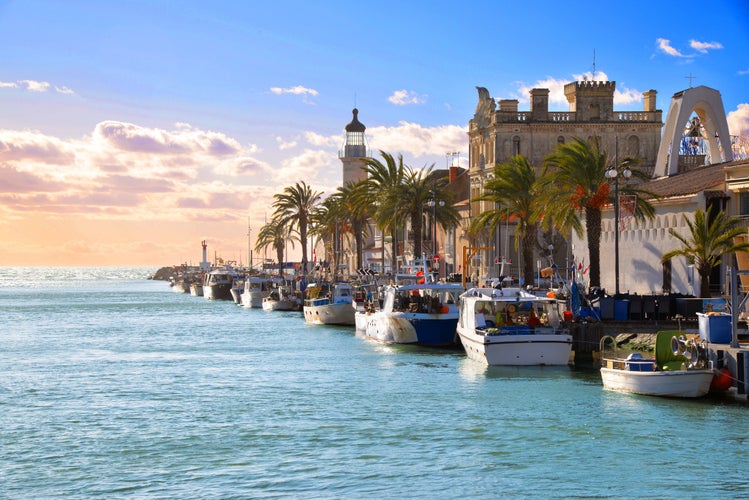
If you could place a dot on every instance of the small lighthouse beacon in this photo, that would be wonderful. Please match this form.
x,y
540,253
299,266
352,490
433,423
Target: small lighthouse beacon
x,y
354,151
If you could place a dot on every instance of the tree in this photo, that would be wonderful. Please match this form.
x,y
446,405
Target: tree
x,y
292,209
385,187
574,183
711,235
274,234
514,191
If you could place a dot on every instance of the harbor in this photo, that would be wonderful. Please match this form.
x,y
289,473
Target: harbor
x,y
116,386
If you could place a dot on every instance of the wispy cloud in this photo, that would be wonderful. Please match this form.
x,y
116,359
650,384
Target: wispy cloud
x,y
665,46
743,72
298,90
405,97
703,47
35,86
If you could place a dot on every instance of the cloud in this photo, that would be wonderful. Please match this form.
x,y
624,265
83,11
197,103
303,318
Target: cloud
x,y
703,47
405,97
743,72
665,46
320,140
738,120
242,165
557,99
35,86
185,140
283,144
418,140
310,164
298,90
33,147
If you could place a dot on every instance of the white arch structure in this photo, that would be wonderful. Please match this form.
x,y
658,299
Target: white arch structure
x,y
708,106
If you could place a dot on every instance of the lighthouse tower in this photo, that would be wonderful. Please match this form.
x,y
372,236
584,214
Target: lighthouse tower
x,y
354,151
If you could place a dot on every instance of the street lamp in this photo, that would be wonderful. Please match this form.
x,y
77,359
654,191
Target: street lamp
x,y
433,203
613,174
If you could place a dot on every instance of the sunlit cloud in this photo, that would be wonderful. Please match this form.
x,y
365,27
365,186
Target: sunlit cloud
x,y
622,95
738,120
703,47
283,144
64,90
417,140
310,164
321,140
665,46
405,97
34,86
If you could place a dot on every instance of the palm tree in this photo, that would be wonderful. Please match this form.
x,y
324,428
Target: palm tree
x,y
292,209
274,234
514,191
385,186
711,235
324,224
574,183
354,208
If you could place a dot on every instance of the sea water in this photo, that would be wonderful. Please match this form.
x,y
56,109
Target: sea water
x,y
112,385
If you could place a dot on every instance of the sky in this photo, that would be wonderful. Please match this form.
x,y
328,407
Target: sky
x,y
131,131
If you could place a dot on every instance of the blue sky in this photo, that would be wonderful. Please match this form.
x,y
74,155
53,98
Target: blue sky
x,y
147,126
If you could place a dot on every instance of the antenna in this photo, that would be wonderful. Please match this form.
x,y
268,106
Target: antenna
x,y
594,63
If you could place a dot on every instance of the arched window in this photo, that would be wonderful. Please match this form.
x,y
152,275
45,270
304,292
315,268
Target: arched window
x,y
515,145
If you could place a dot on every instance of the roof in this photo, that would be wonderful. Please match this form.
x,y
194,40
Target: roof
x,y
688,183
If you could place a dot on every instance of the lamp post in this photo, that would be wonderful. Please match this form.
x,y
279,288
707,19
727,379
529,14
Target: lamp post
x,y
613,174
433,203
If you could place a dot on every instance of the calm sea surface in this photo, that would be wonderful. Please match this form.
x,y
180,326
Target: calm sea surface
x,y
114,386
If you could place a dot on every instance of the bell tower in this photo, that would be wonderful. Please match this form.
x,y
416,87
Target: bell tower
x,y
354,151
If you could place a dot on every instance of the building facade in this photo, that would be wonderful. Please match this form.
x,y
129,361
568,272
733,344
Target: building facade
x,y
499,132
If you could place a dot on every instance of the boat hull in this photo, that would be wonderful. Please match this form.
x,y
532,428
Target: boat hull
x,y
254,299
518,350
435,330
675,384
330,314
220,291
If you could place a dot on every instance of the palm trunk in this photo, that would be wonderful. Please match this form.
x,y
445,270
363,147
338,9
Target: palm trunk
x,y
593,230
528,241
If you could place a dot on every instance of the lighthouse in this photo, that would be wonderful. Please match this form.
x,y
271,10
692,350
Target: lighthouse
x,y
354,151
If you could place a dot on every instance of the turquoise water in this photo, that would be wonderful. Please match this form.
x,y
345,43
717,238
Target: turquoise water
x,y
114,386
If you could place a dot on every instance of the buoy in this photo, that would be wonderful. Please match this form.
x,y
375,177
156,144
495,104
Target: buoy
x,y
551,294
722,381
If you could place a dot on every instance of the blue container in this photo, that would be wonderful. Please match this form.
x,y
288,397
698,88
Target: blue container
x,y
621,310
715,328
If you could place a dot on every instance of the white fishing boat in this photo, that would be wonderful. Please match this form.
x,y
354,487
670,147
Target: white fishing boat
x,y
217,284
196,288
511,327
255,289
680,368
329,304
282,298
418,313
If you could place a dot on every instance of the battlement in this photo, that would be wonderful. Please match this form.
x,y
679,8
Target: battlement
x,y
592,85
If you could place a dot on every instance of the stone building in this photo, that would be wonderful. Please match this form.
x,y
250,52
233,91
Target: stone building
x,y
497,133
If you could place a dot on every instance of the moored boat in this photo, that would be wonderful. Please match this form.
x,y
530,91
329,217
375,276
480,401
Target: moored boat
x,y
419,313
512,327
329,304
255,289
281,298
680,368
217,284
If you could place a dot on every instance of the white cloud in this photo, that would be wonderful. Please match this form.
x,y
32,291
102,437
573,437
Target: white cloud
x,y
738,120
405,97
283,144
418,140
743,72
320,140
665,46
298,90
703,47
34,86
309,165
